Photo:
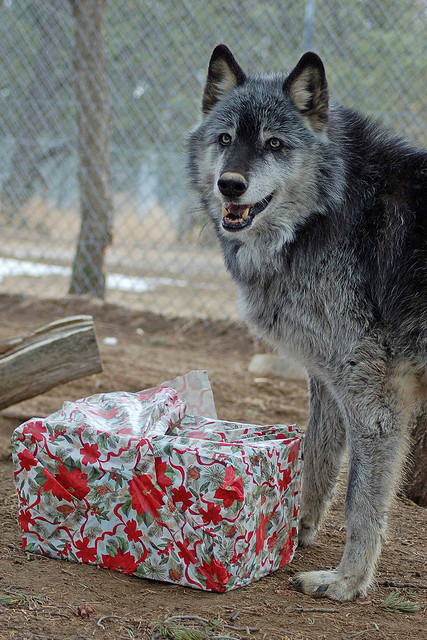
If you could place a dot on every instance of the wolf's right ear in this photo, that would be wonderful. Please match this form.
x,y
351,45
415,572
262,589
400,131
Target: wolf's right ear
x,y
223,75
308,89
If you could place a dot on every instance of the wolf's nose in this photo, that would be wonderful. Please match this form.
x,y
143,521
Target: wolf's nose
x,y
232,185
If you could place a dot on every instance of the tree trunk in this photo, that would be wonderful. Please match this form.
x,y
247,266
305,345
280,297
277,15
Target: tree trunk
x,y
416,487
52,355
92,99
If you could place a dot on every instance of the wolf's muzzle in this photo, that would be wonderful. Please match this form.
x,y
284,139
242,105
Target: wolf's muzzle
x,y
236,217
232,184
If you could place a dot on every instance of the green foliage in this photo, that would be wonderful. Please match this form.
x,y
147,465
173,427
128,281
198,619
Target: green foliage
x,y
126,507
123,543
395,602
178,628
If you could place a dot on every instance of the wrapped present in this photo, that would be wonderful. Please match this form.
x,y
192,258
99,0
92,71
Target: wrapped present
x,y
154,485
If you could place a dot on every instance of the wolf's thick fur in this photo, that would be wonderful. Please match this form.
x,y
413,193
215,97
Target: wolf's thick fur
x,y
321,218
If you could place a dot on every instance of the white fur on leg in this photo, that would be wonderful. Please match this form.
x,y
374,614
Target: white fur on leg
x,y
330,584
306,534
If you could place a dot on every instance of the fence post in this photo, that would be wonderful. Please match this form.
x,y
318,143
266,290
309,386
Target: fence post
x,y
92,98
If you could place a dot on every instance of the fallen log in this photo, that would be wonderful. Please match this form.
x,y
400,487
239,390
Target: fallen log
x,y
55,353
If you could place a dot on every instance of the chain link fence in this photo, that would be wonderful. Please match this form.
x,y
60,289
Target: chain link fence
x,y
96,99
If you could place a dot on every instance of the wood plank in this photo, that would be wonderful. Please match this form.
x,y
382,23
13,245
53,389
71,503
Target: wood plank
x,y
53,354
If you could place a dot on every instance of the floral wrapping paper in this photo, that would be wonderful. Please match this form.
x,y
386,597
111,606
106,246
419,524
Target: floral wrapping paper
x,y
136,483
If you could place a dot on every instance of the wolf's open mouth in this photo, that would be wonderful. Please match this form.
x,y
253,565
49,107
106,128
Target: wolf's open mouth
x,y
239,216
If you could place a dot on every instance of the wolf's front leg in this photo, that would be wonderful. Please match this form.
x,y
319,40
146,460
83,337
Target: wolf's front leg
x,y
324,445
376,449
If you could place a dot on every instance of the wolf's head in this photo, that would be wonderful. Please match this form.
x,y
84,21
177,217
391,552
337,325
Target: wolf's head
x,y
261,160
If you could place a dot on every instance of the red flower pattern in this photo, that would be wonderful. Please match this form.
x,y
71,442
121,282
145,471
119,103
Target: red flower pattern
x,y
162,479
182,495
25,520
260,533
272,541
216,575
55,487
145,496
27,460
211,514
90,453
124,562
285,479
35,430
231,489
294,448
188,555
132,532
84,551
286,552
175,489
75,482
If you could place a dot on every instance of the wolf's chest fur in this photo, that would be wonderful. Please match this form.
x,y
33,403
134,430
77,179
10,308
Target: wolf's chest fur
x,y
313,309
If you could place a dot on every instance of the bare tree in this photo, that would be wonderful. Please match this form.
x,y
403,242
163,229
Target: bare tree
x,y
92,100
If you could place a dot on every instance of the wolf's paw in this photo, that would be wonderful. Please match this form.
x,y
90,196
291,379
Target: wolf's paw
x,y
328,584
306,534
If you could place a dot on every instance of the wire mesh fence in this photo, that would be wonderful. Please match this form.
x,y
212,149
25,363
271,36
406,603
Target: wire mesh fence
x,y
96,99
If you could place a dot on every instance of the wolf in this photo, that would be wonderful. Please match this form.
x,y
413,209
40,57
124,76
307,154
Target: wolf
x,y
320,215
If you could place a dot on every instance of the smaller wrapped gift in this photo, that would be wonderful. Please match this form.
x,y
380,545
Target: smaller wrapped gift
x,y
154,485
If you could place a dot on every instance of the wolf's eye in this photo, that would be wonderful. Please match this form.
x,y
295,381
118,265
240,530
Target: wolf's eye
x,y
224,139
275,143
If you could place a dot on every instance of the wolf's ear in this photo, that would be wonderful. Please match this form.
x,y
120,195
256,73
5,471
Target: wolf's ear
x,y
223,75
308,88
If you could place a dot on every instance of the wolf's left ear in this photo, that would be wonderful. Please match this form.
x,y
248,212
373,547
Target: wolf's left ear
x,y
223,75
308,88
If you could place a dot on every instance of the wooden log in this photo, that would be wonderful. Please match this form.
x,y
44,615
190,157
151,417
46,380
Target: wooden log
x,y
55,353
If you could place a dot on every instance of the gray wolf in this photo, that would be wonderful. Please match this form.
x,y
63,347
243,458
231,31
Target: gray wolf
x,y
320,214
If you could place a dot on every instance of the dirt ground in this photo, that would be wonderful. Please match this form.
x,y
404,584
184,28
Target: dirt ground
x,y
147,251
42,599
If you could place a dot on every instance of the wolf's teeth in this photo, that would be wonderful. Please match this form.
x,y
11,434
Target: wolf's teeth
x,y
224,212
245,213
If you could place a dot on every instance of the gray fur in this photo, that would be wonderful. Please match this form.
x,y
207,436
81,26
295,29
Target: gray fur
x,y
333,271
